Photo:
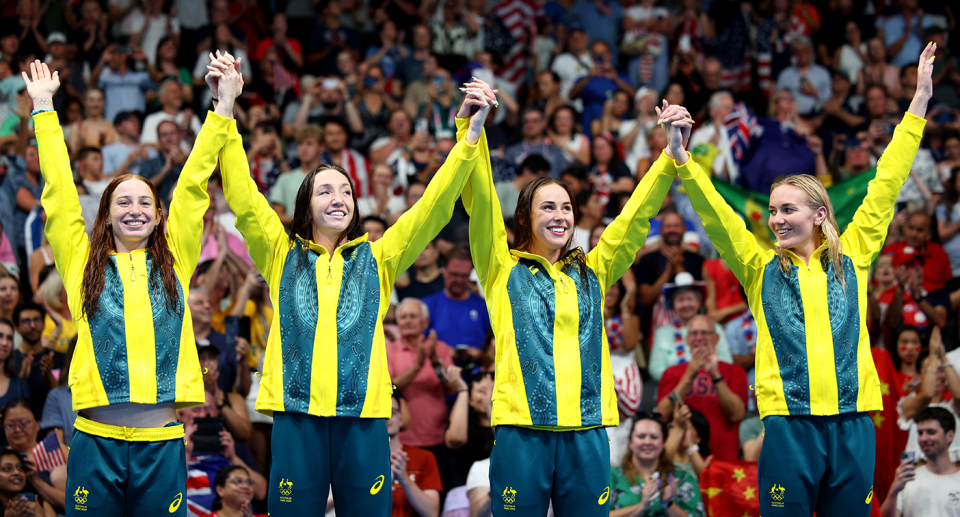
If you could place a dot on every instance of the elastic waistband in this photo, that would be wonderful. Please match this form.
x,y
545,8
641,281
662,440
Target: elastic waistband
x,y
823,418
130,434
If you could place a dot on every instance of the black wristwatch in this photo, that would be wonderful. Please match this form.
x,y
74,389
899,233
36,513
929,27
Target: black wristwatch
x,y
718,379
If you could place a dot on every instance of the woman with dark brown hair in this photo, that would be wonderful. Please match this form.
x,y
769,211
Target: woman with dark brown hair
x,y
646,482
126,288
325,377
554,390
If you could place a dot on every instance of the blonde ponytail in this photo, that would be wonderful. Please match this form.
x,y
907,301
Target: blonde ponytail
x,y
816,197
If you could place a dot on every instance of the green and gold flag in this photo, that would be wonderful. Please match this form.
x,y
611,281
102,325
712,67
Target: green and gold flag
x,y
846,196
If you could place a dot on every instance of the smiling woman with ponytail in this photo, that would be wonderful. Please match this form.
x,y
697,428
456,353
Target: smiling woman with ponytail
x,y
134,363
815,377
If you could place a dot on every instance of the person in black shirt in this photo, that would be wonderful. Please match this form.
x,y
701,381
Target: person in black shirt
x,y
660,266
424,278
35,363
469,435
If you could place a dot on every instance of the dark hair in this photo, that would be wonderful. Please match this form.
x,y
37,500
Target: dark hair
x,y
221,482
939,414
951,195
895,337
374,219
584,197
17,402
87,151
8,362
338,121
614,154
876,85
124,116
163,41
27,305
700,423
65,107
555,76
553,118
459,253
67,359
302,226
536,163
576,171
101,244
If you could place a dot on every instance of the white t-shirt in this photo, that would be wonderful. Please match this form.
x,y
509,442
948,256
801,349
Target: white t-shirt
x,y
368,204
930,495
639,149
151,125
581,237
479,475
192,14
569,68
913,444
127,25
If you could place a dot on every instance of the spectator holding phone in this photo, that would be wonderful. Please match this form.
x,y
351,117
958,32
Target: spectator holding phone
x,y
13,481
936,373
21,428
209,449
931,490
230,404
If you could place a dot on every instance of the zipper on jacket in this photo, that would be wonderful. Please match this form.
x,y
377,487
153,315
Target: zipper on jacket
x,y
816,308
563,337
143,366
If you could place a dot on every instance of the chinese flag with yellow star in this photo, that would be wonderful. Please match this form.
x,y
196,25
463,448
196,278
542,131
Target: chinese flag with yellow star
x,y
891,441
729,489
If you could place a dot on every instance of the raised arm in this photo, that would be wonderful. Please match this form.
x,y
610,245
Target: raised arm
x,y
866,233
488,235
621,241
65,226
190,199
402,243
726,230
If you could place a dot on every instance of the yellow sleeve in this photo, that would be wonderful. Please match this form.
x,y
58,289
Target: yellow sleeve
x,y
257,221
402,243
726,229
488,235
865,235
65,225
621,241
190,199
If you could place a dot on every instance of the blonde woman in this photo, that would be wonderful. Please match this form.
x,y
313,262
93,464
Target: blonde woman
x,y
815,378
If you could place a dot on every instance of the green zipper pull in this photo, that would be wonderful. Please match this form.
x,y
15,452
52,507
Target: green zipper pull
x,y
329,275
133,271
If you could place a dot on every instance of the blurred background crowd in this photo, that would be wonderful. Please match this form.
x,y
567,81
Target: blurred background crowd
x,y
776,87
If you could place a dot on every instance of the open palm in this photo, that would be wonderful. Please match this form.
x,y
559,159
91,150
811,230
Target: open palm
x,y
925,71
41,85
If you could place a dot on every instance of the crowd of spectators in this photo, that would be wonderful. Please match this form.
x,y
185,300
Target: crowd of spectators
x,y
775,86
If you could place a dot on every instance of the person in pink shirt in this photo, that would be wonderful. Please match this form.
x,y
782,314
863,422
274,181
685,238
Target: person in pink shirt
x,y
416,364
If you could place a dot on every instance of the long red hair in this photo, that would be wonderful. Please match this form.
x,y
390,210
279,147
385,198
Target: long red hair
x,y
102,244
